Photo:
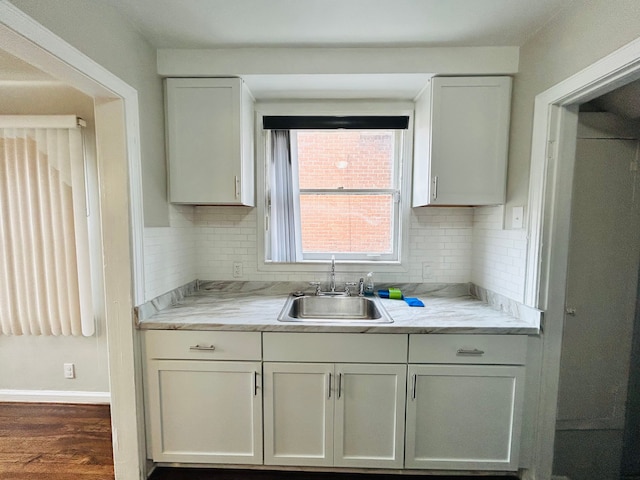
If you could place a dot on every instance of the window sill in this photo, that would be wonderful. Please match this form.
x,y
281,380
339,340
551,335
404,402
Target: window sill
x,y
343,266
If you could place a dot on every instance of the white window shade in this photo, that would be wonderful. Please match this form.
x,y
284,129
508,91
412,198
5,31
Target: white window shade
x,y
45,282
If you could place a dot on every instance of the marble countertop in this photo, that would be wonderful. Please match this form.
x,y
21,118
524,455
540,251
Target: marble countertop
x,y
255,306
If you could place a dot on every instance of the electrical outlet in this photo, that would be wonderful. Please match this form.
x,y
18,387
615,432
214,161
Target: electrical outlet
x,y
237,269
69,370
427,272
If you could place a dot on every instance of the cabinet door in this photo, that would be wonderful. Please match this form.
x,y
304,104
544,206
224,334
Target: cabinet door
x,y
464,417
205,412
204,140
298,421
369,415
462,130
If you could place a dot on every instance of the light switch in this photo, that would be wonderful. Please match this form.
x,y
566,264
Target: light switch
x,y
517,217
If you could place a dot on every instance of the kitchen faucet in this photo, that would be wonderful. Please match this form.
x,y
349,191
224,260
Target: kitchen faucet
x,y
332,283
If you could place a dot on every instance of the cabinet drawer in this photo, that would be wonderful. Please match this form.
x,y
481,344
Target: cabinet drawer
x,y
475,349
203,345
335,347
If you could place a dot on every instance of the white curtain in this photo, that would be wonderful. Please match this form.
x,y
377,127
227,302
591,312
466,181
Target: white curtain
x,y
45,286
283,244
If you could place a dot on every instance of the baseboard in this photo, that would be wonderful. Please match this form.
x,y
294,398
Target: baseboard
x,y
54,396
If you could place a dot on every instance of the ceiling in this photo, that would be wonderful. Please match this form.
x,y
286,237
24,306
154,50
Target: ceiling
x,y
13,70
623,101
337,23
324,23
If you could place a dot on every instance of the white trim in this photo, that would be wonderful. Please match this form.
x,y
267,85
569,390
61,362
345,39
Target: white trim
x,y
337,60
55,396
551,176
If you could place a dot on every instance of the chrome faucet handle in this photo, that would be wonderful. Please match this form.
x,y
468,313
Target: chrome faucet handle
x,y
317,287
347,287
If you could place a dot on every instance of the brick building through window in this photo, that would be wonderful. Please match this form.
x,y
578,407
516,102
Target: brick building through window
x,y
347,181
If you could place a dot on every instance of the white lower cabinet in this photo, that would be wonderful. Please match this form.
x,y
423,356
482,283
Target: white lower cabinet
x,y
334,399
324,414
298,414
201,409
465,416
369,415
384,401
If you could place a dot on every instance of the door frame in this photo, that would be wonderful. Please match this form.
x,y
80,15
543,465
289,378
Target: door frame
x,y
554,134
118,144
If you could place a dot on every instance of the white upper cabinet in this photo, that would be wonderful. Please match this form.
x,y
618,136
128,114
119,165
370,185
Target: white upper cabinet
x,y
461,141
209,131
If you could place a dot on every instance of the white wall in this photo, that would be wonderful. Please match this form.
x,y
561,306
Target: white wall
x,y
101,33
578,36
499,255
170,253
36,362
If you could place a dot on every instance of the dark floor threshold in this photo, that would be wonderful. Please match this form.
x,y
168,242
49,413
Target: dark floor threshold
x,y
172,473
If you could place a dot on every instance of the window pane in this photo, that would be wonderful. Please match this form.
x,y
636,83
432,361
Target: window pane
x,y
349,159
347,223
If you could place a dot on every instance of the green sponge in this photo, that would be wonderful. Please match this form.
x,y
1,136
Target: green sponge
x,y
395,293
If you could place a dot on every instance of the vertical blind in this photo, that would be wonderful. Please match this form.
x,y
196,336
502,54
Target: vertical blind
x,y
45,286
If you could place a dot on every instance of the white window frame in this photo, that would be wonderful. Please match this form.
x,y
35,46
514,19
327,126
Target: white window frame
x,y
342,108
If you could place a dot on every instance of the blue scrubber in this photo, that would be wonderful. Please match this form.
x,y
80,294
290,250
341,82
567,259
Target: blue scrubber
x,y
413,302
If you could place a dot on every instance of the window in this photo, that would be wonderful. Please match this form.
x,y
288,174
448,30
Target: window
x,y
334,188
45,284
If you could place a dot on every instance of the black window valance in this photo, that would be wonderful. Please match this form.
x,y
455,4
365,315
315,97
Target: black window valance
x,y
305,122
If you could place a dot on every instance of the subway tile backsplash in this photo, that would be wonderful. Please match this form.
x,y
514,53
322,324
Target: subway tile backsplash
x,y
499,256
446,245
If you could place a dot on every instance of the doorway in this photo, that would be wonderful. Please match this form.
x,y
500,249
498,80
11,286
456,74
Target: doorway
x,y
118,153
555,123
601,291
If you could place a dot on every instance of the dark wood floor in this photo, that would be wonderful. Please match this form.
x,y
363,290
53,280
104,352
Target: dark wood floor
x,y
55,442
73,442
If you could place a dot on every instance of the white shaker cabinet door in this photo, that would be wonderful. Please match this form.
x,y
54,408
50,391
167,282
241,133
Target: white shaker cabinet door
x,y
369,415
205,412
464,417
209,131
461,141
298,421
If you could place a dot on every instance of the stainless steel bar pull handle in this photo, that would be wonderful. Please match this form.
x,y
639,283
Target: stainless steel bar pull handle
x,y
435,187
414,386
470,351
339,385
236,185
205,348
255,383
329,385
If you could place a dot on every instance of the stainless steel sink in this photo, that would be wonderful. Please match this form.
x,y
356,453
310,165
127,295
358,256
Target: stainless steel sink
x,y
333,308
